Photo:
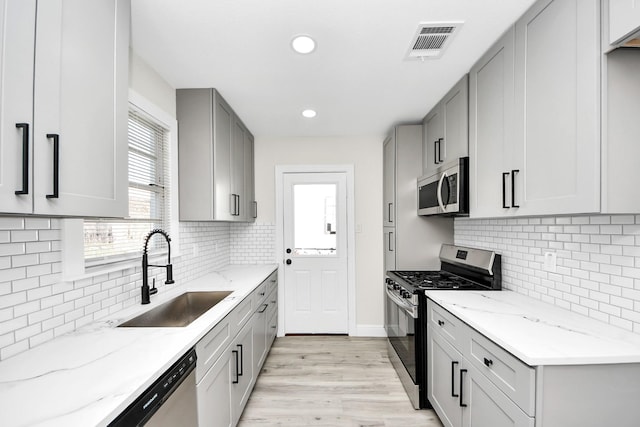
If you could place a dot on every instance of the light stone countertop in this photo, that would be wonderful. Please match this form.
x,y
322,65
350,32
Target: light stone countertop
x,y
87,377
539,333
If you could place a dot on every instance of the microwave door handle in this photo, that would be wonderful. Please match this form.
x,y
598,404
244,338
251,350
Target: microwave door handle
x,y
439,192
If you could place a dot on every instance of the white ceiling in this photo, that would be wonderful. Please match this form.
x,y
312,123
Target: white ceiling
x,y
357,79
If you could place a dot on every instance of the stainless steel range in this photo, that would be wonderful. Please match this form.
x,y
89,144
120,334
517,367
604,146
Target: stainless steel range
x,y
461,269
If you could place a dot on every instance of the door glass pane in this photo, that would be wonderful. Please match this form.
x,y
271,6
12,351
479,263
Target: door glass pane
x,y
314,217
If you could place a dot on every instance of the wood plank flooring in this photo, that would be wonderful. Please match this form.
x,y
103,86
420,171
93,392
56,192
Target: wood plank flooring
x,y
331,381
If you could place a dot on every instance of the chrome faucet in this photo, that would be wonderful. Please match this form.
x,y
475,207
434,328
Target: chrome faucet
x,y
146,292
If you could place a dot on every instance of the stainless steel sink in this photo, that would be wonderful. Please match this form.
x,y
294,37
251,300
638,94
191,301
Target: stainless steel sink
x,y
180,311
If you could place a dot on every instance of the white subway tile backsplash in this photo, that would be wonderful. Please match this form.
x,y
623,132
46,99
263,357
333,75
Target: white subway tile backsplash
x,y
598,257
36,305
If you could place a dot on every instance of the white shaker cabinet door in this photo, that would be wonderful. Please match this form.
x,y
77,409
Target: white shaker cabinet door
x,y
486,405
17,37
557,104
491,97
433,133
80,107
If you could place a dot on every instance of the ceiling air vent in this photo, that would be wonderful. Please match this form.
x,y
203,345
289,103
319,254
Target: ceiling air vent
x,y
431,39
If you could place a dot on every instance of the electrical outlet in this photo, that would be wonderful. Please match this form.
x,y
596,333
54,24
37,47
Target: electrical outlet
x,y
550,262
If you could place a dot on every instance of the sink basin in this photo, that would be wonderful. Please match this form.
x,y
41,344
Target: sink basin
x,y
178,312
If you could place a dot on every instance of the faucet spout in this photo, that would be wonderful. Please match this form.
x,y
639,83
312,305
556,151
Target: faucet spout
x,y
146,291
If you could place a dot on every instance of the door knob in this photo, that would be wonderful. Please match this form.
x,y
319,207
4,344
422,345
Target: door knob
x,y
288,262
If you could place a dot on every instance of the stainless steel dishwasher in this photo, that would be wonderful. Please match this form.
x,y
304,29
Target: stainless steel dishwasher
x,y
170,401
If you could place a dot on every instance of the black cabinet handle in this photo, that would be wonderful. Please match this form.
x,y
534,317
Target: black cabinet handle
x,y
488,362
390,239
237,205
25,158
56,164
241,360
255,209
389,212
435,151
440,141
513,188
237,380
264,308
453,367
440,322
462,371
504,190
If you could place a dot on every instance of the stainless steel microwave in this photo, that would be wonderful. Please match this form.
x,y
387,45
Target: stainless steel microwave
x,y
447,192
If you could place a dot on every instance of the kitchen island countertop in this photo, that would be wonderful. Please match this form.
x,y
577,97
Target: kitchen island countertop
x,y
87,377
539,333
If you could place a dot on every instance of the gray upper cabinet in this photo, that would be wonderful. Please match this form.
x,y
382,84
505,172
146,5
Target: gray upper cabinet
x,y
445,129
536,149
215,149
557,107
624,19
621,127
68,64
491,98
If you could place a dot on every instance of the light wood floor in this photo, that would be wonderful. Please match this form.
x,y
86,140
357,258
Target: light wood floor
x,y
331,381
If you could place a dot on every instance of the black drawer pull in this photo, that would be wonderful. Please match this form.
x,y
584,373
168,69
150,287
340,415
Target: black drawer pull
x,y
513,188
504,190
462,371
25,158
453,376
237,380
440,322
56,164
488,362
241,366
264,307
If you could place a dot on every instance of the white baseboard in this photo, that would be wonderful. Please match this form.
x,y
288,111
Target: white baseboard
x,y
370,331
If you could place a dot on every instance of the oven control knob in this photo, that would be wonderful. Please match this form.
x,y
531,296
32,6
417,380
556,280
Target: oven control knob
x,y
396,287
406,294
388,281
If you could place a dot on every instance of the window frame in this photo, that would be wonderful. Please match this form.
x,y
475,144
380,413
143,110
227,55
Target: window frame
x,y
74,265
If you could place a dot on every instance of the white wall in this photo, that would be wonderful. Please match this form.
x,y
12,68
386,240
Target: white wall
x,y
148,83
366,156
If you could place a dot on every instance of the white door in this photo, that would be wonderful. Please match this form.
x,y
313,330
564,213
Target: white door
x,y
315,253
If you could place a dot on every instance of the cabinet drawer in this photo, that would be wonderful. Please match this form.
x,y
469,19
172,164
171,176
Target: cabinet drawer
x,y
242,313
508,373
211,346
265,288
449,326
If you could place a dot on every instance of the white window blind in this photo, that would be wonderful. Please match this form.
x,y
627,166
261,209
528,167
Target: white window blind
x,y
149,194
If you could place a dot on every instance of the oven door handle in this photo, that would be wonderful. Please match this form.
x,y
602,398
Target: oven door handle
x,y
410,310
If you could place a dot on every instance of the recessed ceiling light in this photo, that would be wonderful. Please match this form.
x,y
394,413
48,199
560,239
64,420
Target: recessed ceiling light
x,y
309,114
303,44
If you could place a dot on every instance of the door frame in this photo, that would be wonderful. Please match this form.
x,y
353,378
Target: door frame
x,y
348,170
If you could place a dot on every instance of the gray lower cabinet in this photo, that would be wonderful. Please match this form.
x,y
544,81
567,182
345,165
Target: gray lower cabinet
x,y
473,382
231,355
